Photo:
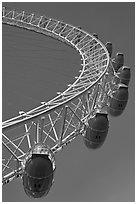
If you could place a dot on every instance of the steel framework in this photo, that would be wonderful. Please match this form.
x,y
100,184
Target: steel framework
x,y
60,120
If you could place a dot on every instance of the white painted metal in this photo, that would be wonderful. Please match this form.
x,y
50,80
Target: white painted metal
x,y
66,115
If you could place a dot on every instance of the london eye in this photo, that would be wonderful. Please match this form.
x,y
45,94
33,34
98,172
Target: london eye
x,y
82,110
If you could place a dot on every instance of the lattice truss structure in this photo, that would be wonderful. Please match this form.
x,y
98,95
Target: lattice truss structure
x,y
62,119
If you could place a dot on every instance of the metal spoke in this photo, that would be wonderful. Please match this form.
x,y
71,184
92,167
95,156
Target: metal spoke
x,y
53,127
8,167
14,153
10,151
12,143
70,120
47,135
28,135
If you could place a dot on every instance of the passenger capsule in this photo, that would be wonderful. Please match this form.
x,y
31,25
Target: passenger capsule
x,y
38,176
109,48
96,131
118,61
118,101
124,75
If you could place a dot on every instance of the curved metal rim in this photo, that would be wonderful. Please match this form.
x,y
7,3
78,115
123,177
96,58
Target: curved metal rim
x,y
20,118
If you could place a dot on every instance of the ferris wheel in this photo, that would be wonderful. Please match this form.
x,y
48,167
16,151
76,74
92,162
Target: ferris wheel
x,y
31,139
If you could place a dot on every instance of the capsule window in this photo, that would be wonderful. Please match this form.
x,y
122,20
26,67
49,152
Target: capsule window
x,y
120,105
98,137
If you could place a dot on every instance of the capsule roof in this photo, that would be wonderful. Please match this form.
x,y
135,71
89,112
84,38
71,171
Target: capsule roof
x,y
99,122
121,94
